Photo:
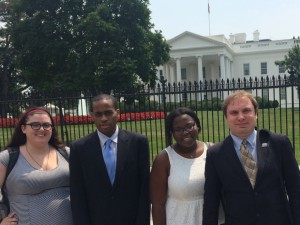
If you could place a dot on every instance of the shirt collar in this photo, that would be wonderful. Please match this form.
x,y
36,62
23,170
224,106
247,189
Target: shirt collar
x,y
251,140
103,138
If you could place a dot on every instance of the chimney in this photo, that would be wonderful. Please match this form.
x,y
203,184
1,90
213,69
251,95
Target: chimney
x,y
256,35
231,38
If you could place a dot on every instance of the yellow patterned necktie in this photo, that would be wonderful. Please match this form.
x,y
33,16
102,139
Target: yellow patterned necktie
x,y
248,163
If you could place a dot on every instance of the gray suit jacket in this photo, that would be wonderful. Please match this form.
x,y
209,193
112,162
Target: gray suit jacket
x,y
266,204
94,200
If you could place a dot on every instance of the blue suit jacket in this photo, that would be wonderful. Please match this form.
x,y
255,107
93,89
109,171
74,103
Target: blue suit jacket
x,y
266,204
94,200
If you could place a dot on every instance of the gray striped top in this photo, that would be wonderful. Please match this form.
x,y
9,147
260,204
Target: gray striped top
x,y
39,196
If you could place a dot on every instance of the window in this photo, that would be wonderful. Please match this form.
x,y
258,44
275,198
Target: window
x,y
263,68
184,96
246,69
160,72
219,72
265,93
183,74
282,92
281,69
204,72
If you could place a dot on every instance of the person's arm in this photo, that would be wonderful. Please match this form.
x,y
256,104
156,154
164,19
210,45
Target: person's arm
x,y
212,190
159,187
291,176
143,217
3,170
10,219
78,196
2,174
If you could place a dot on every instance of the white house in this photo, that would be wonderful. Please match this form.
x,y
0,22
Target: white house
x,y
196,58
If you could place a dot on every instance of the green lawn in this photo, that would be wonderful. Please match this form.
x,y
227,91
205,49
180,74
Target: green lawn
x,y
213,125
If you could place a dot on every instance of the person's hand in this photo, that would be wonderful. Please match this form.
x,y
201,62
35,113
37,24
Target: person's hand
x,y
11,219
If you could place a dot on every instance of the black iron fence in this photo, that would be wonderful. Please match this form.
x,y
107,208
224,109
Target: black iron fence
x,y
144,110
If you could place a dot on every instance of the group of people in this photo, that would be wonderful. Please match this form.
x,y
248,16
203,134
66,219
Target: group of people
x,y
104,178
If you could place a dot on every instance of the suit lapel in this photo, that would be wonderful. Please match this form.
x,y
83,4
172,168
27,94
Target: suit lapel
x,y
96,155
263,151
122,154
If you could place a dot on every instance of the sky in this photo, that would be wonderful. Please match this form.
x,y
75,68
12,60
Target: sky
x,y
274,19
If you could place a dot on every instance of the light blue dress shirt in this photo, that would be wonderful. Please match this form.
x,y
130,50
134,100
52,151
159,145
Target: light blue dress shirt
x,y
103,138
251,144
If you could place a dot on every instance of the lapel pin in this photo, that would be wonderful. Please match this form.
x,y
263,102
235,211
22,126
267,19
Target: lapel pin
x,y
264,145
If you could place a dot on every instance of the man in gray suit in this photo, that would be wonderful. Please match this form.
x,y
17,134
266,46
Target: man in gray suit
x,y
265,190
96,197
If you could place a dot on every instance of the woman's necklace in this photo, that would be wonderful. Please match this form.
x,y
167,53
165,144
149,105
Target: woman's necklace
x,y
36,161
190,154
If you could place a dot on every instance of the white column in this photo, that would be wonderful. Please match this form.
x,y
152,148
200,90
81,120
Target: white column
x,y
231,70
227,68
200,72
222,66
168,76
172,72
178,70
165,71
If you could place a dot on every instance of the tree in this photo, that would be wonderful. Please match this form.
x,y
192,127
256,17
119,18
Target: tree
x,y
86,44
117,45
10,78
292,59
292,63
43,39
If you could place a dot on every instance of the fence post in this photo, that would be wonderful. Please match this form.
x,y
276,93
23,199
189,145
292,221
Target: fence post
x,y
61,116
163,84
293,79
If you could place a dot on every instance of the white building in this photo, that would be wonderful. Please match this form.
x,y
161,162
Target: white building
x,y
196,58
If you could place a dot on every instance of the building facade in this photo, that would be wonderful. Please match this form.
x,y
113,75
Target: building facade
x,y
197,58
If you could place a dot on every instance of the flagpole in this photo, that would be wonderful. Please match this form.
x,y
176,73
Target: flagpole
x,y
208,10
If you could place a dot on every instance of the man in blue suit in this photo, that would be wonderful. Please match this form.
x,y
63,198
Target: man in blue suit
x,y
270,195
96,197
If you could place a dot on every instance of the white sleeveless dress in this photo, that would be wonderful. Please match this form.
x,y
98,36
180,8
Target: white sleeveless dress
x,y
185,189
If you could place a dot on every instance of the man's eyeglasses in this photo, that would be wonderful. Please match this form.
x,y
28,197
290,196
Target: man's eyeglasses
x,y
37,126
188,128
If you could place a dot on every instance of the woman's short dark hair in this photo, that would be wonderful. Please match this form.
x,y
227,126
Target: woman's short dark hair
x,y
19,138
174,114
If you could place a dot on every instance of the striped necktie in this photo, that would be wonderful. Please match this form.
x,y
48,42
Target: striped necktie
x,y
248,163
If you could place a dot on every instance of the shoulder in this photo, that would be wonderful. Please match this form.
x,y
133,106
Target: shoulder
x,y
162,155
65,149
265,135
4,157
85,139
130,134
214,147
208,144
219,148
161,160
132,137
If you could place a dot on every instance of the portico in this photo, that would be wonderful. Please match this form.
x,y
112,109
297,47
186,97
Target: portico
x,y
197,58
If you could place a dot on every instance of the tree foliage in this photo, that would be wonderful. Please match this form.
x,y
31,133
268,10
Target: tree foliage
x,y
85,44
10,77
291,61
292,64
